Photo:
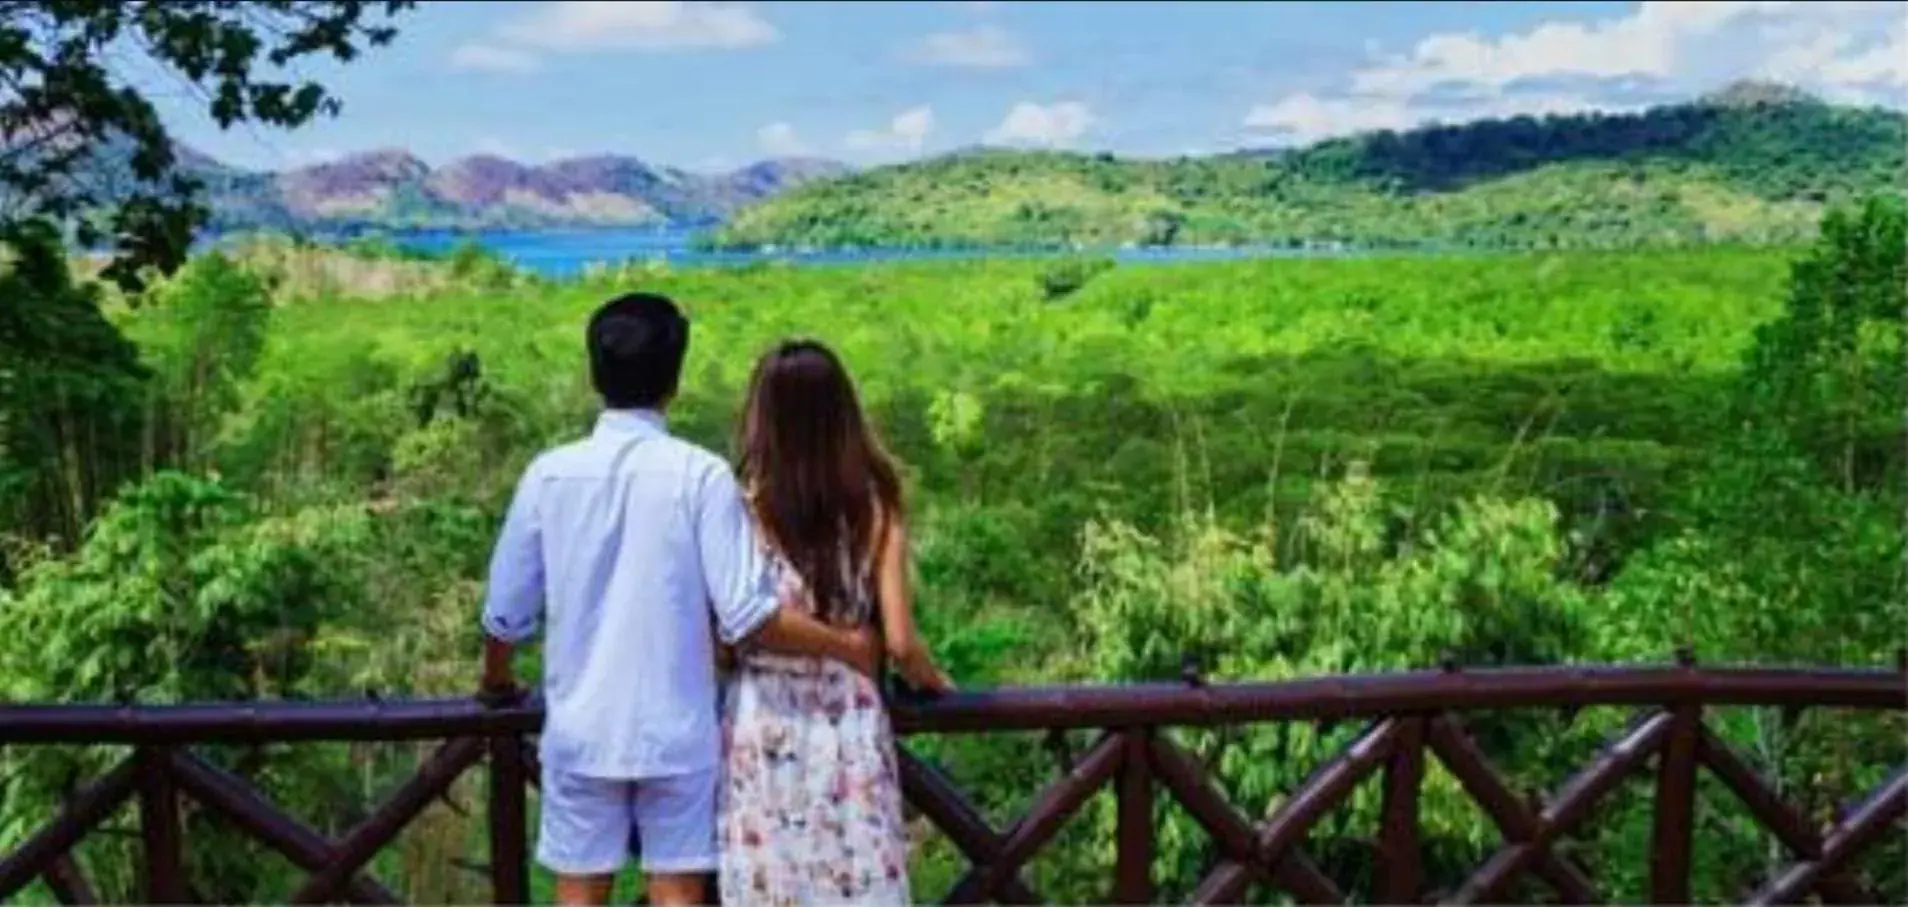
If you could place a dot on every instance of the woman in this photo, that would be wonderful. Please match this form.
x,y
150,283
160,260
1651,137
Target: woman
x,y
810,802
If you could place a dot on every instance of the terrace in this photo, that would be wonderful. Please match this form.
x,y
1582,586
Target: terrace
x,y
1406,717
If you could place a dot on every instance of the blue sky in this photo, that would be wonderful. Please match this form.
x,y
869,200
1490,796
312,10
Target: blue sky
x,y
710,86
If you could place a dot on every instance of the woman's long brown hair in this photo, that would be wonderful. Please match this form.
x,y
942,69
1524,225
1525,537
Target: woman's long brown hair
x,y
818,478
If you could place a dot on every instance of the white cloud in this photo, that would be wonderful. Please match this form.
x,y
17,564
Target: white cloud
x,y
1840,49
779,139
907,132
1882,64
1051,125
985,47
1843,61
482,57
641,25
1647,42
1798,60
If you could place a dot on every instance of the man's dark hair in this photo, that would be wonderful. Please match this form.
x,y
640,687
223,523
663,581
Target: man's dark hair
x,y
636,345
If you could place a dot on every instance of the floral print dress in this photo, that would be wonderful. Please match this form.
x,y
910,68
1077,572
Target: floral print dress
x,y
810,802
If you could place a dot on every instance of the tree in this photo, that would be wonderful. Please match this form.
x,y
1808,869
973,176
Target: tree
x,y
1827,374
1162,227
71,388
184,591
67,110
202,336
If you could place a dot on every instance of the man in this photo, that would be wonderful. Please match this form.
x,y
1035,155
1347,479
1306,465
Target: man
x,y
625,540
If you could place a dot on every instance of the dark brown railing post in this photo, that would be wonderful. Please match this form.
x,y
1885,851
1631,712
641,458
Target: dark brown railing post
x,y
509,780
1674,819
509,857
1400,862
159,827
1133,868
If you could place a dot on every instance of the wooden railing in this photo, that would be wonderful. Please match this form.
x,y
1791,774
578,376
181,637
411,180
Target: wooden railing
x,y
1409,715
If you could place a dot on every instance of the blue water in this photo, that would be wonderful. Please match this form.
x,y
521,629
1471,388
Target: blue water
x,y
565,253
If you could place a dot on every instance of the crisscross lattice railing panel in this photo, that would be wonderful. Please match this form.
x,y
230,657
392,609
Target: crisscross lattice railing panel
x,y
158,778
1272,852
1411,719
1667,740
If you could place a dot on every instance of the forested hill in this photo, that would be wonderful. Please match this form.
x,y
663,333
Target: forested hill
x,y
1754,162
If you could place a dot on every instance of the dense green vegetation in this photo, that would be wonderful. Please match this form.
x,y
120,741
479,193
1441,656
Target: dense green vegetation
x,y
277,474
1748,164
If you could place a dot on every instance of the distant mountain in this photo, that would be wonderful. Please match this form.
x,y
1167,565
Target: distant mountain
x,y
1753,162
392,188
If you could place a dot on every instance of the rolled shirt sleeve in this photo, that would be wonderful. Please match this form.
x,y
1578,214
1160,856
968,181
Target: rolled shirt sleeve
x,y
513,600
734,568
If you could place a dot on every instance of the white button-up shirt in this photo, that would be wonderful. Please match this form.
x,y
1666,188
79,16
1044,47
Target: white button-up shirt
x,y
620,543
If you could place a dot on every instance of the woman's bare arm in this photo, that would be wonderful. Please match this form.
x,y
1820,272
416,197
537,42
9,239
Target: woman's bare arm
x,y
910,655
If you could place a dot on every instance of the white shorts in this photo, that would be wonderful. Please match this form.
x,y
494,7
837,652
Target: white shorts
x,y
589,826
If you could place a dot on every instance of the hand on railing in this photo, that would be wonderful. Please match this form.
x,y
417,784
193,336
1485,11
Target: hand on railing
x,y
501,695
898,687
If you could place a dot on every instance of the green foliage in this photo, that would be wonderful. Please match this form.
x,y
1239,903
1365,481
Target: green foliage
x,y
1822,442
1064,278
1792,545
71,390
466,428
1280,468
316,424
1478,584
202,334
955,423
1754,170
379,247
182,592
1769,143
473,264
70,114
1377,589
1827,376
1162,228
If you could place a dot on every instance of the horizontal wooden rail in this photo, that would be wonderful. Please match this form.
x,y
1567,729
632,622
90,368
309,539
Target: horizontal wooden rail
x,y
1011,709
1412,718
263,722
